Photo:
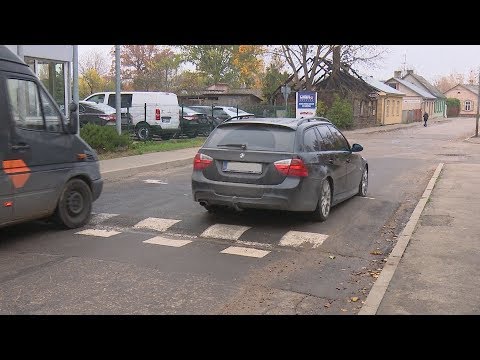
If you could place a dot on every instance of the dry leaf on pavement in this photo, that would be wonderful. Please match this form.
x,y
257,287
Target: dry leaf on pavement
x,y
332,256
354,299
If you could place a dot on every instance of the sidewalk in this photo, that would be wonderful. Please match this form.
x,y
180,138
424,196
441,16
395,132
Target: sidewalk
x,y
438,272
130,165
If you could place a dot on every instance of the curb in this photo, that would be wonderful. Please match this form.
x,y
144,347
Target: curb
x,y
112,174
380,286
382,128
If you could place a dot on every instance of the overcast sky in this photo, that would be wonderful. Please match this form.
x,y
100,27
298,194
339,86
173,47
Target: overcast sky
x,y
430,61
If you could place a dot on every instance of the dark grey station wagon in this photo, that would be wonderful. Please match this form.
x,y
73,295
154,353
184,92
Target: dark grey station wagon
x,y
284,164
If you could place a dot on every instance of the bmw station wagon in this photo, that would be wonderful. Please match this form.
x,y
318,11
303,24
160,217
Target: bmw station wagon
x,y
287,164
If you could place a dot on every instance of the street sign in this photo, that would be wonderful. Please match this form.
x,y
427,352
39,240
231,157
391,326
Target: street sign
x,y
306,104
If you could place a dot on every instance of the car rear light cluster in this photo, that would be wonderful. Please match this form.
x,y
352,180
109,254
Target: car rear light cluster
x,y
157,114
190,117
201,161
291,167
111,117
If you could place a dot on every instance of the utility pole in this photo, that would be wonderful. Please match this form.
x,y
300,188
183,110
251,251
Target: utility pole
x,y
118,98
478,106
75,82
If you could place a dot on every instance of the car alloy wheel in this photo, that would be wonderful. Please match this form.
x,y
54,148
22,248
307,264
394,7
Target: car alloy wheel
x,y
325,199
362,191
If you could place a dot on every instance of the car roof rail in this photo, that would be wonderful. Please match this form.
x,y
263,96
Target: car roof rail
x,y
313,118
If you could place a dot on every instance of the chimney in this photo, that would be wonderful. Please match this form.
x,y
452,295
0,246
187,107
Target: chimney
x,y
397,74
409,72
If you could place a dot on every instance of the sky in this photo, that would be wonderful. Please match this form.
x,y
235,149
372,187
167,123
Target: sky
x,y
430,61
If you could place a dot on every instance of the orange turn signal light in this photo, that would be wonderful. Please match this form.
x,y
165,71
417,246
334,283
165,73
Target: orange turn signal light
x,y
8,203
81,156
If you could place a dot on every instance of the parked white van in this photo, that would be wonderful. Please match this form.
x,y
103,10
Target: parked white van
x,y
151,112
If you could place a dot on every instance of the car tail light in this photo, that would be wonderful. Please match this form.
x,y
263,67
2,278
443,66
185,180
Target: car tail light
x,y
111,117
201,161
291,167
157,114
190,117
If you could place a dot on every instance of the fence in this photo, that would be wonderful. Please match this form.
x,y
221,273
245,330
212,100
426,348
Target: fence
x,y
409,116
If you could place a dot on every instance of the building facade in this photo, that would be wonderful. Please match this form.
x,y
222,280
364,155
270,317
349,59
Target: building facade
x,y
468,95
439,105
389,102
53,66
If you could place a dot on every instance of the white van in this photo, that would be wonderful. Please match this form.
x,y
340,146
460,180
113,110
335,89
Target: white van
x,y
151,112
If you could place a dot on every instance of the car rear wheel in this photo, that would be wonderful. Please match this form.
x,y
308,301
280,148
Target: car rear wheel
x,y
74,206
143,132
363,186
324,202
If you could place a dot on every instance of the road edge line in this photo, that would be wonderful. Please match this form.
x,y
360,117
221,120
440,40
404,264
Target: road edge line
x,y
379,288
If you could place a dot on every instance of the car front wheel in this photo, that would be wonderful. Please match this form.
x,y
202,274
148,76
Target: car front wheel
x,y
363,186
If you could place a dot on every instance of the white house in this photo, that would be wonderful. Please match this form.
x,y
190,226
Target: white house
x,y
53,65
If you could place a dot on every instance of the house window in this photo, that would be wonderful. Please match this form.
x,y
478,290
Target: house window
x,y
393,107
388,107
468,105
398,107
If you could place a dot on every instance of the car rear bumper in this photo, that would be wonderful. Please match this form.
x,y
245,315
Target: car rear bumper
x,y
293,194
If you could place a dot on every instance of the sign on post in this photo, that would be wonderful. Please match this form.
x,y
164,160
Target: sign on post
x,y
306,104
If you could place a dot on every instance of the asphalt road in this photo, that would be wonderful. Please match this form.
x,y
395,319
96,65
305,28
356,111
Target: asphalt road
x,y
195,263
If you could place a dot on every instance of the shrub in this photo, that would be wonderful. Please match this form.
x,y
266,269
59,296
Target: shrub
x,y
453,102
321,108
104,138
341,113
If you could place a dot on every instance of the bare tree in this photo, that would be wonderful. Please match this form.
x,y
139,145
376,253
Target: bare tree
x,y
305,61
93,60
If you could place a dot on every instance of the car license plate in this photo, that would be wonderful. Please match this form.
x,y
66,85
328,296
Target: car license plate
x,y
242,167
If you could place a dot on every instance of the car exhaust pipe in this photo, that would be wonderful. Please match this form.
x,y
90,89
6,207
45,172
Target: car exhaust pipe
x,y
203,203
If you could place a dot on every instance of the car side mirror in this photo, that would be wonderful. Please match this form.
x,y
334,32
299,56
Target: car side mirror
x,y
357,148
73,124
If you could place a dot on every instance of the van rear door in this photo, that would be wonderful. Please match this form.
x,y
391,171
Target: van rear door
x,y
39,155
6,186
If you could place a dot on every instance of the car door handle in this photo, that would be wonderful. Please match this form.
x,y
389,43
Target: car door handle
x,y
20,146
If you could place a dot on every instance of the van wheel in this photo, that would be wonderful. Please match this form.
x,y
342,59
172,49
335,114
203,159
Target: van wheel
x,y
74,207
143,132
324,203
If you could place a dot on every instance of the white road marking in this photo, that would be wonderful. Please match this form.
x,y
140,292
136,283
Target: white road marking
x,y
98,232
298,238
224,231
256,244
156,224
158,240
152,181
98,218
243,251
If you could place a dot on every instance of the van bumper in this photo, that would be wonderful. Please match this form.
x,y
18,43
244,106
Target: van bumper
x,y
97,187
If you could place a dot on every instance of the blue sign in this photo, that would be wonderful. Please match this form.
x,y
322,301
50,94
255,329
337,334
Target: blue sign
x,y
306,100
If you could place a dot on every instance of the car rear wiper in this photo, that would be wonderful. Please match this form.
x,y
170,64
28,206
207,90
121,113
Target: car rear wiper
x,y
242,146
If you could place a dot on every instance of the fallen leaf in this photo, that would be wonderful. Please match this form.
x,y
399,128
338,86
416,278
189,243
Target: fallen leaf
x,y
344,310
376,252
332,257
327,305
354,299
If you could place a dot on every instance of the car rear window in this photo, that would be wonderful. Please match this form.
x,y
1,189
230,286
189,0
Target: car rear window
x,y
254,136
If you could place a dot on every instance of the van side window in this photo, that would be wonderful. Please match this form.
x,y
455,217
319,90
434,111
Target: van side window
x,y
97,98
25,104
125,100
53,120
